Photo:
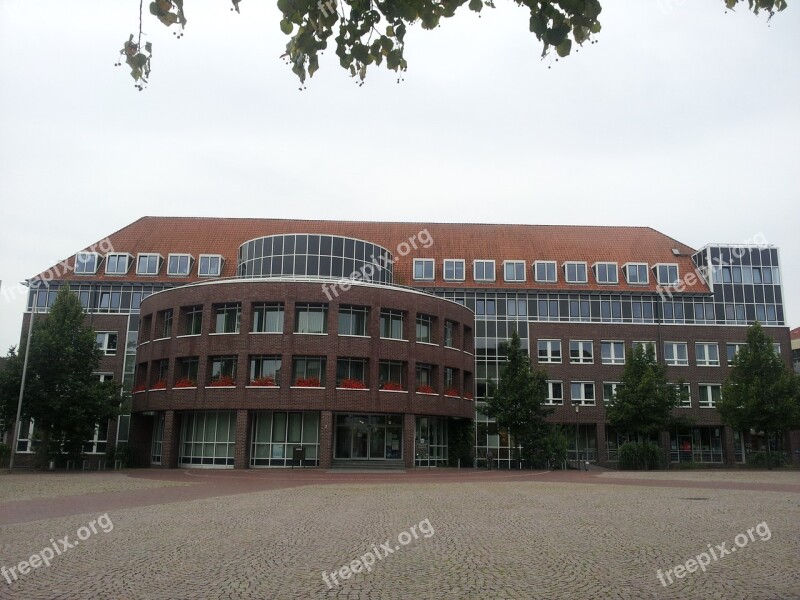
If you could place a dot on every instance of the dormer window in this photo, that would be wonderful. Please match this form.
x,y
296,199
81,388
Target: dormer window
x,y
667,274
118,264
637,273
424,269
514,270
148,264
453,270
575,272
483,270
179,265
86,263
210,265
606,273
545,271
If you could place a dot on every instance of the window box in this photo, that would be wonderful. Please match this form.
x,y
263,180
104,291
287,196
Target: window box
x,y
391,386
352,384
223,381
468,396
159,385
308,382
452,392
264,382
139,388
184,383
425,389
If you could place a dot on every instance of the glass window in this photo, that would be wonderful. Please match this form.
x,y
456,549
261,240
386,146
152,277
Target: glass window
x,y
637,273
676,353
179,265
352,320
223,367
581,352
309,371
107,342
117,264
311,318
392,374
483,270
609,391
351,373
210,265
667,274
707,354
423,269
449,334
265,370
392,324
555,392
549,351
166,323
453,270
606,273
187,368
732,349
268,318
228,317
148,264
612,353
86,263
425,329
194,320
514,270
647,346
582,392
545,271
709,395
575,272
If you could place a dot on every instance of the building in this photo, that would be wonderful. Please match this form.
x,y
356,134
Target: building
x,y
795,337
240,341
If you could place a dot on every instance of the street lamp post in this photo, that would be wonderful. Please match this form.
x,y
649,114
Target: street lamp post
x,y
576,404
15,433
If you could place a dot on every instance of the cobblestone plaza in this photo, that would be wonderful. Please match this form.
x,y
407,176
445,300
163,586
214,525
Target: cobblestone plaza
x,y
210,534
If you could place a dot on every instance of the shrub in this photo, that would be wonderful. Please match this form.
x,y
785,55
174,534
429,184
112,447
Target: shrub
x,y
634,456
759,459
392,386
185,383
264,382
224,381
120,452
308,382
353,384
452,392
159,385
425,389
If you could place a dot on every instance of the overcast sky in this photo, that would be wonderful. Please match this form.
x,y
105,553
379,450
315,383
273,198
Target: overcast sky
x,y
682,118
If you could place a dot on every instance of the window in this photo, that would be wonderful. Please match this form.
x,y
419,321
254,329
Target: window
x,y
311,318
26,440
352,320
485,307
450,378
228,317
732,349
454,270
425,329
423,269
166,323
354,369
710,394
449,334
392,373
583,392
308,371
107,342
581,352
545,271
549,351
514,270
575,272
612,353
187,368
637,273
265,367
667,274
647,347
179,265
117,264
610,391
210,265
97,445
392,324
483,270
606,273
268,318
707,354
86,263
686,401
148,264
223,366
425,378
516,307
555,392
193,318
676,354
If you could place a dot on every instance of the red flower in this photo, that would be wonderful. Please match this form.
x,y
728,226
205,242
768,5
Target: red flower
x,y
159,385
452,392
392,386
264,382
425,389
308,382
353,384
468,396
185,383
138,388
223,381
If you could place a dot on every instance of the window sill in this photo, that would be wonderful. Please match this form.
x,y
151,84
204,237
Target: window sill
x,y
224,333
428,344
581,363
157,390
394,391
700,365
427,394
353,335
144,343
161,339
265,332
185,388
188,335
306,387
394,339
262,387
308,333
353,389
220,387
677,364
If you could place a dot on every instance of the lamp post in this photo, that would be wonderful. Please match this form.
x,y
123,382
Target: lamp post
x,y
17,424
576,404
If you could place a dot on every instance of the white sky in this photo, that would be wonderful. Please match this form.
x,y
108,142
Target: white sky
x,y
682,118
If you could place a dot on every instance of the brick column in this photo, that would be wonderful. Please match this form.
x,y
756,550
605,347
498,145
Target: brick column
x,y
241,450
325,439
171,439
409,439
663,442
728,455
600,436
140,439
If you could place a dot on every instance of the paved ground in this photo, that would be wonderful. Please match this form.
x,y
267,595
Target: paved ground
x,y
271,534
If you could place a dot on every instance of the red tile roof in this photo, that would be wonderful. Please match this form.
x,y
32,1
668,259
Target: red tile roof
x,y
795,333
200,235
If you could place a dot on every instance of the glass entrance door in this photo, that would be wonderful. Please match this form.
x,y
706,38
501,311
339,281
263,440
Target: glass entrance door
x,y
369,437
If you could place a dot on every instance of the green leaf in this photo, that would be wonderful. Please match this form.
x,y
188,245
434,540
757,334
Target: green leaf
x,y
475,5
564,48
286,26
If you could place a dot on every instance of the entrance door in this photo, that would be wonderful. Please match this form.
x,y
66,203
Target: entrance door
x,y
377,446
360,440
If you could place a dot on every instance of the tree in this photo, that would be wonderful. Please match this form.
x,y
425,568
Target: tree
x,y
373,33
761,392
643,403
63,396
517,402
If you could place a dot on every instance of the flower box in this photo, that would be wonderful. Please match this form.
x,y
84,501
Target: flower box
x,y
392,386
159,385
224,381
452,392
138,388
425,389
185,383
264,382
353,384
308,382
468,396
